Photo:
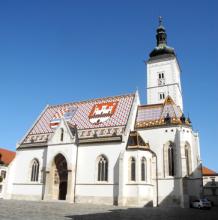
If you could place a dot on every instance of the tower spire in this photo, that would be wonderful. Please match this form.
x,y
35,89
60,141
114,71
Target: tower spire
x,y
161,38
161,35
163,71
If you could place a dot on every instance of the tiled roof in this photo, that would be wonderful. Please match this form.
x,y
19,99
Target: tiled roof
x,y
154,115
208,172
6,156
136,142
83,116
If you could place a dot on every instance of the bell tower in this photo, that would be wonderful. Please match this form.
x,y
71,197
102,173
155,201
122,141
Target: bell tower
x,y
163,71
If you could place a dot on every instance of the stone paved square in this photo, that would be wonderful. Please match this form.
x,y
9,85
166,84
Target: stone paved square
x,y
28,210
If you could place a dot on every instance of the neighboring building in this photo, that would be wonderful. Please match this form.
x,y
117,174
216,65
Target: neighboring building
x,y
210,184
6,157
114,150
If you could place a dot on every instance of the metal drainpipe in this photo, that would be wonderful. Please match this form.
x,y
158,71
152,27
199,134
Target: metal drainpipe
x,y
157,179
77,145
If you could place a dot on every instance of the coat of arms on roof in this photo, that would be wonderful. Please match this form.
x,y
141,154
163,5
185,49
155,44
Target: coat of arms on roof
x,y
66,113
102,112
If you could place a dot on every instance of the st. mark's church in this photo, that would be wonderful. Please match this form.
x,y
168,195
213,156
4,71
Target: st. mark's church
x,y
114,150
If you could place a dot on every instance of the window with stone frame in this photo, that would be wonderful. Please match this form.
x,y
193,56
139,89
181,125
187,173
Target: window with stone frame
x,y
35,171
132,165
169,159
144,169
102,168
188,159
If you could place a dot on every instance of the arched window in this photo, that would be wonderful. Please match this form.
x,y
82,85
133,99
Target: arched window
x,y
171,159
62,134
102,169
143,169
35,171
188,159
132,169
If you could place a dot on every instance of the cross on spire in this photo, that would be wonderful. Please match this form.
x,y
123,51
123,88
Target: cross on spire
x,y
160,20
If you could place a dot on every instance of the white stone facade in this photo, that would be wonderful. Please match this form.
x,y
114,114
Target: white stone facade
x,y
83,186
127,155
163,77
3,176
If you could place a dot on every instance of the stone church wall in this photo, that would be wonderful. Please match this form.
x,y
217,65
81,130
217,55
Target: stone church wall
x,y
23,188
88,189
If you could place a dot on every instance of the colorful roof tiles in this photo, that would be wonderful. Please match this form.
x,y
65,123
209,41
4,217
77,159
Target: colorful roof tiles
x,y
154,115
117,117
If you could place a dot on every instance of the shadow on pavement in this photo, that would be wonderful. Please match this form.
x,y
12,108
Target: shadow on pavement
x,y
150,214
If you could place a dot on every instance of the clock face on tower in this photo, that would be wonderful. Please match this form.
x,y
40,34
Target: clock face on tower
x,y
161,82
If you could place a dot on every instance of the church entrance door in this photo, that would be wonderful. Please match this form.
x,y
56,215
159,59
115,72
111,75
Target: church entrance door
x,y
61,176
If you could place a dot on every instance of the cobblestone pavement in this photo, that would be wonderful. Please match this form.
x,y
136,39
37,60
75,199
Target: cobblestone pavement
x,y
25,210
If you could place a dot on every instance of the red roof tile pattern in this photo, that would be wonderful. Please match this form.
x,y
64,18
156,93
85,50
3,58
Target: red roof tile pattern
x,y
81,116
6,156
208,172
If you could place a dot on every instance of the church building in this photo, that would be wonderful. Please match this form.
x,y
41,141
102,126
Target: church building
x,y
114,150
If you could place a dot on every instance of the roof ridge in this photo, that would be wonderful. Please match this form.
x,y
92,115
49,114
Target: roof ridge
x,y
91,100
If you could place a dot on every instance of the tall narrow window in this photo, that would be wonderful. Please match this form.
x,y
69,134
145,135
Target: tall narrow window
x,y
62,134
161,79
132,166
188,159
171,160
102,169
161,96
161,75
143,169
35,171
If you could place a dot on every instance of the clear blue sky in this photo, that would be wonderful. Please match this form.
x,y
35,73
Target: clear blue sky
x,y
67,50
